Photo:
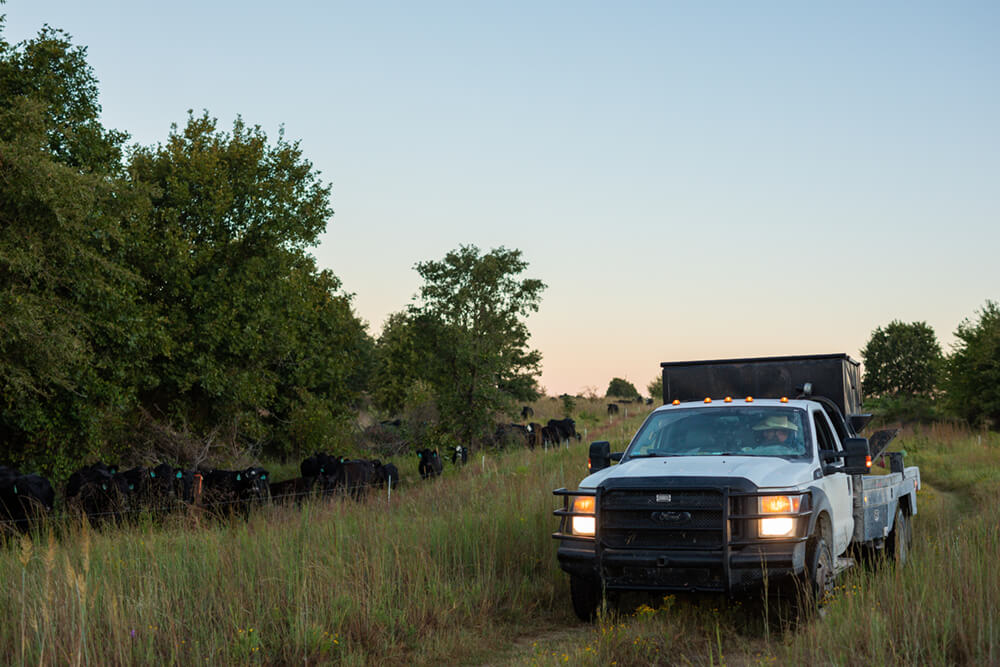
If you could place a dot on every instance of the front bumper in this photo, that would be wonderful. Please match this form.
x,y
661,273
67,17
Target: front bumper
x,y
707,541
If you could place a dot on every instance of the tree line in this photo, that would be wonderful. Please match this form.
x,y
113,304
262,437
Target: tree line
x,y
908,376
167,292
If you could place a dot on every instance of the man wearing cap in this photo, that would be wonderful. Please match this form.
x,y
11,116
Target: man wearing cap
x,y
776,430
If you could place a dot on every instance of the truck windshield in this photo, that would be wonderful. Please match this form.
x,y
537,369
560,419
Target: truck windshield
x,y
730,431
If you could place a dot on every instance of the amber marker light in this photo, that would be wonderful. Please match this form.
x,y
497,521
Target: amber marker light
x,y
708,400
784,399
728,399
676,402
749,399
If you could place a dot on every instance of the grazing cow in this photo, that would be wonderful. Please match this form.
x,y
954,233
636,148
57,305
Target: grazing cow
x,y
460,455
24,499
564,429
526,412
430,463
612,409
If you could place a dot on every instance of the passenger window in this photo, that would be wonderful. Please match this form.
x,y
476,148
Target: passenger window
x,y
824,433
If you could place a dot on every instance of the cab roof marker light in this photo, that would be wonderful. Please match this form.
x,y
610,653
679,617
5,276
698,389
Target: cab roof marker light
x,y
728,399
784,399
676,401
708,400
749,399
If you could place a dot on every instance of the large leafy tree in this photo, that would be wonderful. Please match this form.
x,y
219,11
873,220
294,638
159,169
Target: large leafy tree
x,y
253,330
621,388
655,388
73,336
973,369
468,327
901,359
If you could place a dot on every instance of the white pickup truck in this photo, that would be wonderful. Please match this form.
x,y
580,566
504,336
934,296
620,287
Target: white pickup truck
x,y
734,492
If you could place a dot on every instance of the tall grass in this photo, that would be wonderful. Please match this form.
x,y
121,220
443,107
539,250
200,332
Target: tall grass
x,y
452,570
446,570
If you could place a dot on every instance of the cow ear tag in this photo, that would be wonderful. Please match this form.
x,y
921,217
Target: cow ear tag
x,y
179,474
152,474
237,478
15,489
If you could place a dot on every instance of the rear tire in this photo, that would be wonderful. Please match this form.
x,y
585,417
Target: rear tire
x,y
898,545
586,595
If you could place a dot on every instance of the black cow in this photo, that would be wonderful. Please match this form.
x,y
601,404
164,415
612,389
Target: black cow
x,y
536,435
385,474
564,429
354,477
24,499
292,490
526,412
612,409
324,471
430,463
231,491
511,434
97,491
460,455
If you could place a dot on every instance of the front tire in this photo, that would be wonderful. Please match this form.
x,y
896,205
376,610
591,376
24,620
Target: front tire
x,y
818,578
586,596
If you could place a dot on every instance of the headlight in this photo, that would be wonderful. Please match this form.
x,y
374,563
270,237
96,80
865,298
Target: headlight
x,y
779,526
584,525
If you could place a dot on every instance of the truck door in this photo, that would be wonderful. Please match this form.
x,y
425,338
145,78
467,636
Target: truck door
x,y
836,485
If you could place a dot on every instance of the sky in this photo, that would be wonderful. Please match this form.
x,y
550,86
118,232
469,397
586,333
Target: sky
x,y
691,180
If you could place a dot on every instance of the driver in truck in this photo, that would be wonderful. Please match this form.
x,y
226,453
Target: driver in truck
x,y
776,430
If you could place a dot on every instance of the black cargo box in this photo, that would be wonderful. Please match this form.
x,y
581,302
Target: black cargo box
x,y
833,376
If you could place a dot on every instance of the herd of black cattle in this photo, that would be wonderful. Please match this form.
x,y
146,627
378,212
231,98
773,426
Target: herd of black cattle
x,y
105,494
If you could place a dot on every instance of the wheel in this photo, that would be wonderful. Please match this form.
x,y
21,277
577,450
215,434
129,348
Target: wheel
x,y
897,547
586,595
818,577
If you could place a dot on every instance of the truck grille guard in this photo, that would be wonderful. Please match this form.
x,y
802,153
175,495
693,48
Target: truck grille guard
x,y
696,521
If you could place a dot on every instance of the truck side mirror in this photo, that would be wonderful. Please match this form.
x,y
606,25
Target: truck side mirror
x,y
600,455
857,456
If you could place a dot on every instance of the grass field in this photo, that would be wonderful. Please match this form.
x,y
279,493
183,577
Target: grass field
x,y
462,570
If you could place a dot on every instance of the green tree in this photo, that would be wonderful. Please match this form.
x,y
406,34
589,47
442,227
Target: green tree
x,y
253,330
472,339
73,335
655,388
619,388
903,359
972,382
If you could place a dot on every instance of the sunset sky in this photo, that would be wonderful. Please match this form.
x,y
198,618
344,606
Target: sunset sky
x,y
690,180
